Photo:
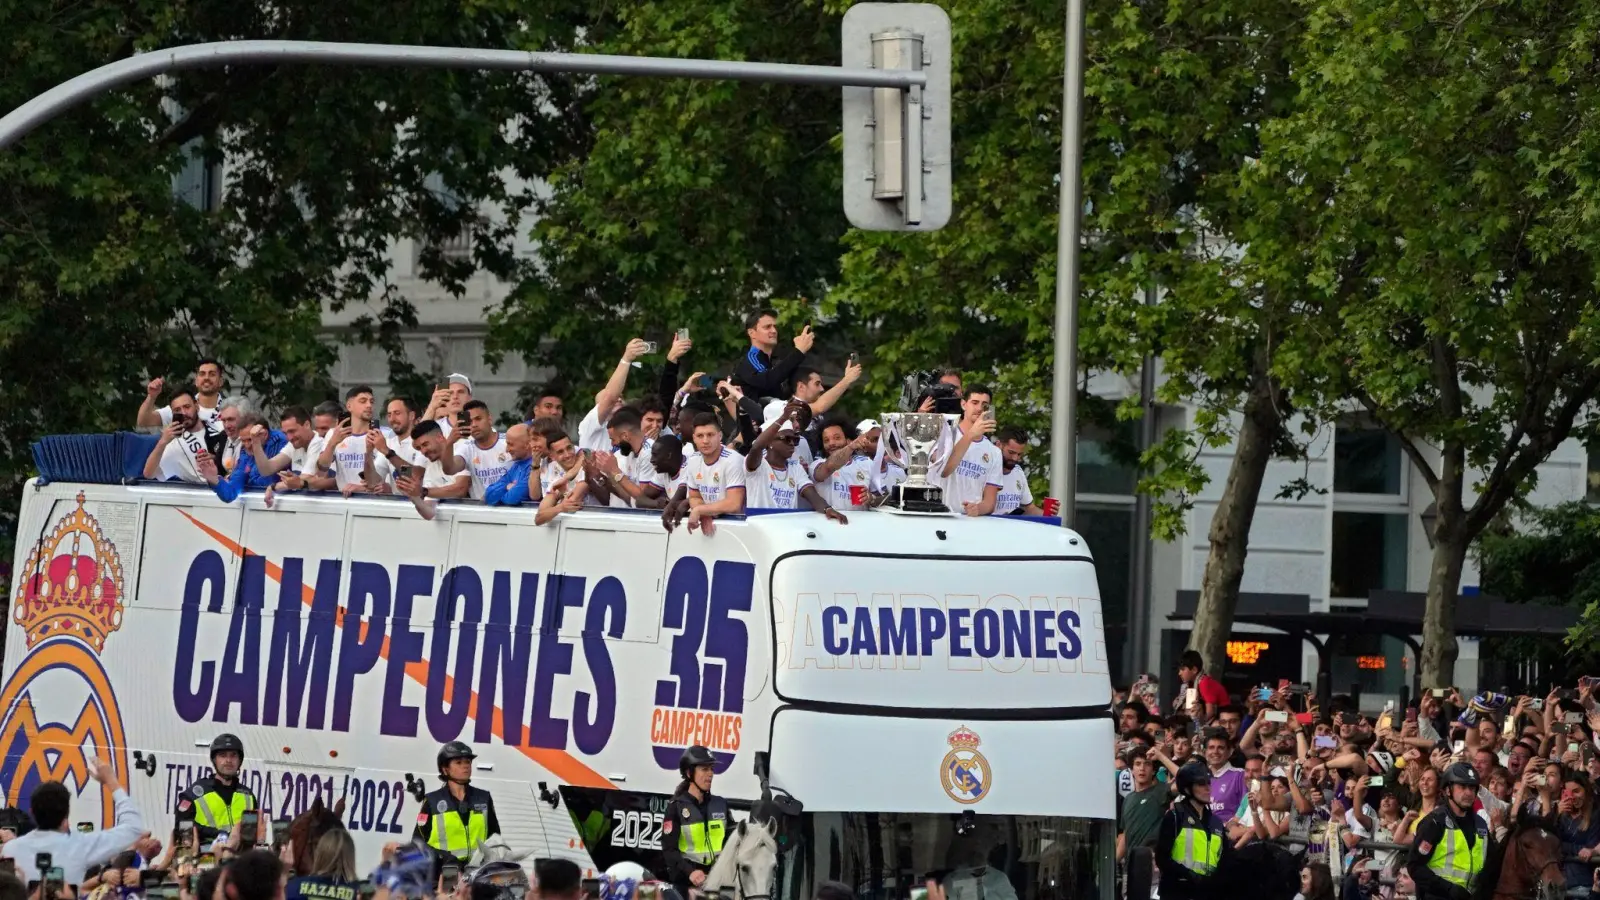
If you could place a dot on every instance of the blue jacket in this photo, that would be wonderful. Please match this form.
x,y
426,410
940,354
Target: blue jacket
x,y
512,488
245,476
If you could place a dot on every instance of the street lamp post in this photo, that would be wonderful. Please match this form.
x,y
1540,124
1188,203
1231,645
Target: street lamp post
x,y
1064,388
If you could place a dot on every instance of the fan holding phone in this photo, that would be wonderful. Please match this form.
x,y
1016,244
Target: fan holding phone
x,y
56,854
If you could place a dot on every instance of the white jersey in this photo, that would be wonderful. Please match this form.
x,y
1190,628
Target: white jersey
x,y
551,472
857,472
350,458
308,460
766,488
979,467
446,426
713,480
1014,491
434,477
207,414
592,433
486,465
670,481
403,447
179,459
638,469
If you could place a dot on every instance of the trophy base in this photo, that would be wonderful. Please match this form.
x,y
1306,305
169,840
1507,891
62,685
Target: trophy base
x,y
916,500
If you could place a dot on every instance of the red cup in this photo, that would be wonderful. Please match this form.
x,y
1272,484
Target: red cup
x,y
858,495
1051,506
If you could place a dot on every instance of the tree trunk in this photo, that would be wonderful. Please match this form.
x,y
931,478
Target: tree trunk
x,y
1450,540
1264,414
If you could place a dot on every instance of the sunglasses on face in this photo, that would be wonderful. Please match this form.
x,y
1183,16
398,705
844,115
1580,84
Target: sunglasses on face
x,y
791,440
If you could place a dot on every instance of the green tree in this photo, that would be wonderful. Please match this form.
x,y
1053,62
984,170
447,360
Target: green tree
x,y
111,278
1439,162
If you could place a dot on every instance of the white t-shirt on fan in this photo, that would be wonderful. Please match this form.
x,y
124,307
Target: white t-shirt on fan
x,y
486,465
713,480
768,488
179,458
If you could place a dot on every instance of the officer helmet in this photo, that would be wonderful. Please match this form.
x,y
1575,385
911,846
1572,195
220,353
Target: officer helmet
x,y
454,750
225,742
1191,775
695,756
1460,773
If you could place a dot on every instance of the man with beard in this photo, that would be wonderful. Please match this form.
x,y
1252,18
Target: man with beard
x,y
207,395
357,463
666,460
401,416
425,486
846,466
1014,493
628,469
480,450
183,443
774,478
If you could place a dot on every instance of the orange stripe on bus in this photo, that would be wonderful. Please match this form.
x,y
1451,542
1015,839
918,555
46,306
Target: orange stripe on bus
x,y
559,763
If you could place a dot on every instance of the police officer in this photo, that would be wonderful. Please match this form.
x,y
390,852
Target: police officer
x,y
694,824
1451,842
458,817
1189,844
216,803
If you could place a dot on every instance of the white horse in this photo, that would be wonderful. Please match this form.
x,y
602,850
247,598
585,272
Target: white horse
x,y
747,867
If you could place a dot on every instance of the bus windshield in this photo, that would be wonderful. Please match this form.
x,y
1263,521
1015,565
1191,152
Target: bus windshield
x,y
890,856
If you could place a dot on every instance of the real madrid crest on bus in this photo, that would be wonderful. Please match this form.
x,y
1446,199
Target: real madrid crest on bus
x,y
965,773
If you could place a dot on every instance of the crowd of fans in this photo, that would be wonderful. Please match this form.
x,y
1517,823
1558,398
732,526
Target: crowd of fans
x,y
766,436
1348,788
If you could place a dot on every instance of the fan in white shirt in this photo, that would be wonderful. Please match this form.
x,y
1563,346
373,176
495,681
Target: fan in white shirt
x,y
970,470
481,452
182,445
845,474
356,462
774,477
1014,492
715,475
426,485
630,469
562,486
206,392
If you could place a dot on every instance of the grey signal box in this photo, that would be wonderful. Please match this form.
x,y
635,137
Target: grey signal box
x,y
897,142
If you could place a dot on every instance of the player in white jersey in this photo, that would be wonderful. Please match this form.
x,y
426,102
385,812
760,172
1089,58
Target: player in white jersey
x,y
627,470
182,446
481,452
1014,491
562,485
355,465
970,470
448,403
427,485
401,417
774,477
844,475
206,393
715,475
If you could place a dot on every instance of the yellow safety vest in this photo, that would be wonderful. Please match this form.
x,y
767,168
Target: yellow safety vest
x,y
211,811
1456,862
1197,849
700,839
448,833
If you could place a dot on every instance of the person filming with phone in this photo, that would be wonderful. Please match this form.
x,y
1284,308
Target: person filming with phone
x,y
68,853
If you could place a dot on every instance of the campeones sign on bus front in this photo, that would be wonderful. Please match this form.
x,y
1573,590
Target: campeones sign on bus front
x,y
345,641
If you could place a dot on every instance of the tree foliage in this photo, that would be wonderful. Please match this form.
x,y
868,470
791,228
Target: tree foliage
x,y
111,278
1551,559
1439,160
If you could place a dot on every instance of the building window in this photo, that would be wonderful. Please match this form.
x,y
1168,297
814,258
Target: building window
x,y
198,183
1366,460
1369,553
1107,459
1107,527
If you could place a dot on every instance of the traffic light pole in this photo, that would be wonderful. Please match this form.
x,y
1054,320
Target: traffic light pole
x,y
65,96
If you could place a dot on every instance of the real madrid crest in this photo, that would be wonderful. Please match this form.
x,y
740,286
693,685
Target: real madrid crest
x,y
965,772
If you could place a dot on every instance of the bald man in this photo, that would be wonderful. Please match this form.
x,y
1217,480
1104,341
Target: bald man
x,y
513,487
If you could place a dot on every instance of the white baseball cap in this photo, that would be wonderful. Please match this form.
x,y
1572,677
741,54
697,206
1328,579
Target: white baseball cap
x,y
458,378
866,425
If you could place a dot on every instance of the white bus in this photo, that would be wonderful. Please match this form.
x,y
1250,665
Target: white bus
x,y
933,690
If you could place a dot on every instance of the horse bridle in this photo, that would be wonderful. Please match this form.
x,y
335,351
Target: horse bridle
x,y
738,877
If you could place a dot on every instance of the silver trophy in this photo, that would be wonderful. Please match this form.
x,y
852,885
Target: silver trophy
x,y
918,433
